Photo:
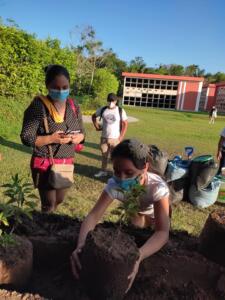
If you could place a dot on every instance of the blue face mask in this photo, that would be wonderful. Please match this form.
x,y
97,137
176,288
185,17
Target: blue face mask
x,y
126,184
60,95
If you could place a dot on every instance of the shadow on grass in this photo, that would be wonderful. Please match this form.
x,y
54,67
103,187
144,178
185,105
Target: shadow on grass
x,y
92,145
89,171
15,146
90,155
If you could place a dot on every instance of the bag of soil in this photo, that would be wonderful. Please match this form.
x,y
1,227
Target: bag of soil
x,y
177,190
202,171
107,259
205,197
159,160
176,169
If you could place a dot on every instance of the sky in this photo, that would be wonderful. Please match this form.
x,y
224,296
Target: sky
x,y
160,31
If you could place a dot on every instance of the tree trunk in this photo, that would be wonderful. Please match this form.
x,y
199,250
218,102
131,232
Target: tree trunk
x,y
92,75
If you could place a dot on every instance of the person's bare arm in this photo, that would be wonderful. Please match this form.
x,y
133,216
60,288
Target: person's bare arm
x,y
94,121
158,239
123,130
162,225
89,224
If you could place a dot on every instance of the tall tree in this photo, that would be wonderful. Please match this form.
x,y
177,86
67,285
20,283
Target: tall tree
x,y
89,52
137,65
177,70
194,70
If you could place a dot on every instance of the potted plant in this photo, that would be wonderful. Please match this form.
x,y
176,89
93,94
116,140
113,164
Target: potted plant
x,y
16,253
109,254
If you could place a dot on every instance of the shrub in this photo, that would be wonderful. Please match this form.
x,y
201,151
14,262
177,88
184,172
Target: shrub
x,y
104,83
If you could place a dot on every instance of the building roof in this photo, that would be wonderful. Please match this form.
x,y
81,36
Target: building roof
x,y
165,77
215,85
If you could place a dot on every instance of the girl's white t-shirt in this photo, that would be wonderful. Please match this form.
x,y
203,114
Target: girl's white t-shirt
x,y
156,189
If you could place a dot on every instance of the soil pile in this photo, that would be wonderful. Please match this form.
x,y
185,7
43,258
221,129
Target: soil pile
x,y
178,271
107,260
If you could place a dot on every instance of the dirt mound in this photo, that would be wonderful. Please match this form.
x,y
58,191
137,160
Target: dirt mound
x,y
178,271
113,253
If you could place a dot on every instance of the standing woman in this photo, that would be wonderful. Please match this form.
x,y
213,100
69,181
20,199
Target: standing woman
x,y
64,121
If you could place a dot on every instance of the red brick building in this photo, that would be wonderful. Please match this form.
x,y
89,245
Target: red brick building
x,y
213,94
162,91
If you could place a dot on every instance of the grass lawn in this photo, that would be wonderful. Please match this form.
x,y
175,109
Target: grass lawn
x,y
169,130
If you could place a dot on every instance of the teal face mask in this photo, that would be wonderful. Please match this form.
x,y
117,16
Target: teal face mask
x,y
126,184
60,95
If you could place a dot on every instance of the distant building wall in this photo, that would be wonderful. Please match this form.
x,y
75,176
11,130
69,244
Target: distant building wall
x,y
213,95
162,91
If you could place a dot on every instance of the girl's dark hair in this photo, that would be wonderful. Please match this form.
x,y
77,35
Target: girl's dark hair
x,y
133,150
52,71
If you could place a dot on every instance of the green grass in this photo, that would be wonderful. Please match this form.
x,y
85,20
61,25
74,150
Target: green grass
x,y
169,130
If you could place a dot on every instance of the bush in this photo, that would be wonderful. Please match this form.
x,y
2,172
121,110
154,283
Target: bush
x,y
22,61
104,83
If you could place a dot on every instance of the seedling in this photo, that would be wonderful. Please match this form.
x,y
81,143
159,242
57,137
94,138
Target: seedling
x,y
20,202
131,205
20,194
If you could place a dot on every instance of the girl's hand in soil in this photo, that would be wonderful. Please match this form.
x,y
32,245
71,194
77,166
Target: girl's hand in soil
x,y
132,276
75,262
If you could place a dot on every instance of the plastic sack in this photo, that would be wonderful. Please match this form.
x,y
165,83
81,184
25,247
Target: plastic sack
x,y
176,169
177,190
159,160
202,171
207,196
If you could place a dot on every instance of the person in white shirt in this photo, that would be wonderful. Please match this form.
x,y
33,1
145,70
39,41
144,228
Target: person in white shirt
x,y
114,127
212,115
221,151
131,161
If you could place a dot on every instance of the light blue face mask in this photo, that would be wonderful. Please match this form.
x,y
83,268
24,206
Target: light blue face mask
x,y
126,184
60,95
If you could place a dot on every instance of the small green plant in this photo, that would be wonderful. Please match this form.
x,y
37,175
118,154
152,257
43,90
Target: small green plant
x,y
6,239
131,205
20,194
21,201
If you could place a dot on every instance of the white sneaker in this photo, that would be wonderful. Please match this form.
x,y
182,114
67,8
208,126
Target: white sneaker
x,y
101,174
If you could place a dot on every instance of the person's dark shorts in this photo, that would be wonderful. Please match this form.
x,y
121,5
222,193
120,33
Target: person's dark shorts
x,y
40,179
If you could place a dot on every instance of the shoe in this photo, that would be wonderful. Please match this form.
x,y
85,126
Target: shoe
x,y
101,174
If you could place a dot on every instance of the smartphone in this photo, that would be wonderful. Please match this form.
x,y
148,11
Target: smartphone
x,y
72,132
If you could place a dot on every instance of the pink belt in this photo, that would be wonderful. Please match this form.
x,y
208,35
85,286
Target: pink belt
x,y
42,163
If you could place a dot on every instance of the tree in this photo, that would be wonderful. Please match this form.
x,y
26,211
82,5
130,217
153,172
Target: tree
x,y
104,83
22,61
115,65
177,70
89,51
194,70
137,65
